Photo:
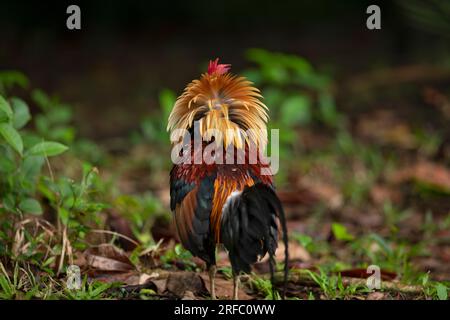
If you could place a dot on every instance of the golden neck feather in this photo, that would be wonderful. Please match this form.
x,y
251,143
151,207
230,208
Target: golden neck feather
x,y
222,104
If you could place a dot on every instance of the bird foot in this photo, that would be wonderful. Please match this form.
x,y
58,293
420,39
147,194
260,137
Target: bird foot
x,y
235,287
212,281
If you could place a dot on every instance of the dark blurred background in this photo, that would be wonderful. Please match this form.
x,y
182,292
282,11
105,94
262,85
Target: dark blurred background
x,y
126,52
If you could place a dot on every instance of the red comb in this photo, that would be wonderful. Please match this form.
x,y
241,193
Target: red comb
x,y
215,67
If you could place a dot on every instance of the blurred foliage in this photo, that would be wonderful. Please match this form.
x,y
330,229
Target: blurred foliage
x,y
141,211
26,188
46,216
297,96
296,93
153,128
429,15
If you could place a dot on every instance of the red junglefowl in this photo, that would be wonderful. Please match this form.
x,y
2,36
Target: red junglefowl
x,y
215,202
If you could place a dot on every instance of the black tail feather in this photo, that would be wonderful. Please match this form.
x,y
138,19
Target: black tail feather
x,y
249,229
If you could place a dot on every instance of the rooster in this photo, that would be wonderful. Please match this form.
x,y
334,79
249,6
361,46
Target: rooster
x,y
216,203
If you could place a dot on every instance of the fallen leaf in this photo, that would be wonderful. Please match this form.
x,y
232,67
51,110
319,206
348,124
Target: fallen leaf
x,y
384,127
428,173
180,282
375,296
381,194
161,285
106,264
107,257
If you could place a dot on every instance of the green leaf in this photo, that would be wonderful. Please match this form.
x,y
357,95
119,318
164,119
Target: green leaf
x,y
6,165
299,64
296,110
259,56
340,232
61,114
167,100
12,137
47,149
253,75
441,291
328,109
9,203
10,78
304,240
275,73
30,205
21,113
64,215
5,109
42,99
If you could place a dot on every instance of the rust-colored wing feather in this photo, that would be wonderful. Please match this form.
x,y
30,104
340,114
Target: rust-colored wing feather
x,y
192,204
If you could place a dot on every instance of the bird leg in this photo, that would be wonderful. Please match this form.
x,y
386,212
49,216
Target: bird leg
x,y
235,286
212,280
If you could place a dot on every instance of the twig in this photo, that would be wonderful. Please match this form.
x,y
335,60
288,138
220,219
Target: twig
x,y
63,250
116,234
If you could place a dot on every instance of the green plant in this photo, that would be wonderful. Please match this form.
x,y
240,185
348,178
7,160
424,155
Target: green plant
x,y
142,211
394,215
227,272
333,287
176,255
74,203
433,289
91,290
297,94
340,232
388,254
22,157
153,128
11,78
23,284
55,121
264,287
30,187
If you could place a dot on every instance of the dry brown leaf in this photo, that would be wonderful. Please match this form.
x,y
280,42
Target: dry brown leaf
x,y
385,128
381,194
180,282
160,284
106,264
323,191
107,257
376,296
425,172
